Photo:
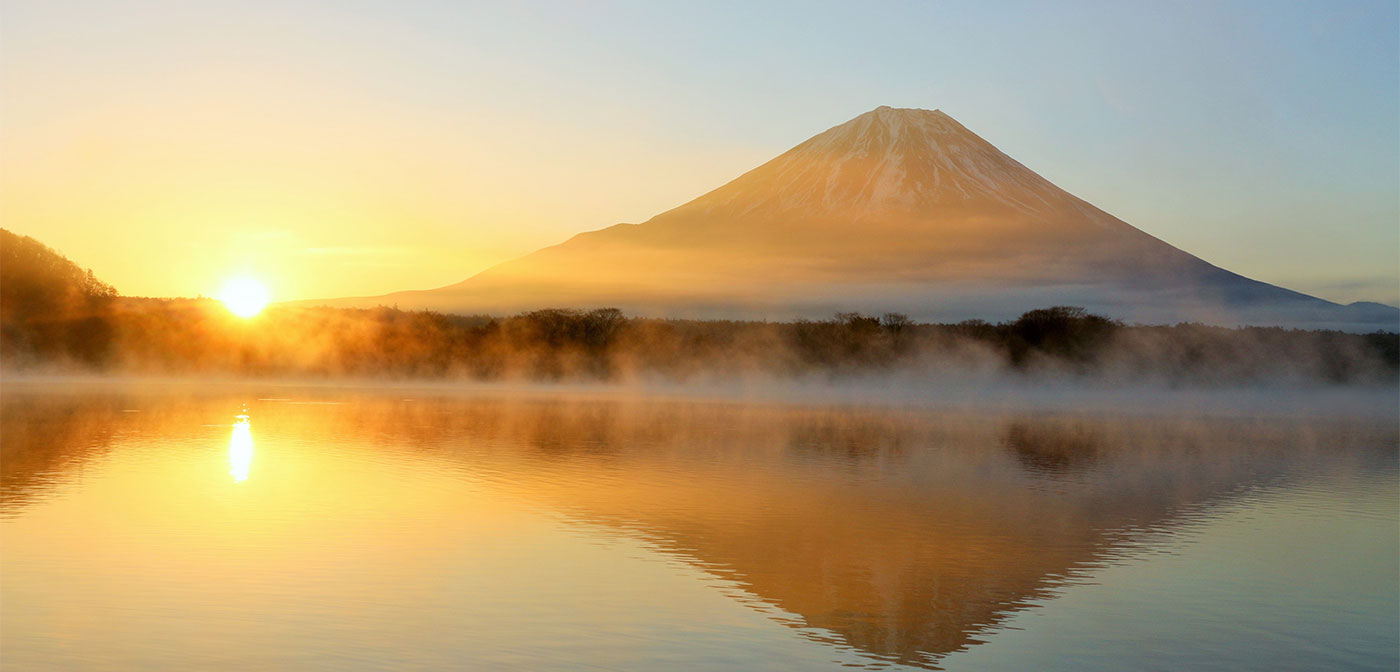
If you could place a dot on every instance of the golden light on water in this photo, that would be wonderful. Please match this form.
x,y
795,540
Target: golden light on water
x,y
244,296
240,450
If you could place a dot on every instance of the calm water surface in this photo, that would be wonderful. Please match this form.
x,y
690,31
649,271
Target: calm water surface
x,y
153,529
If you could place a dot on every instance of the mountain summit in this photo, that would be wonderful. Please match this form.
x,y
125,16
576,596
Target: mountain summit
x,y
895,210
889,157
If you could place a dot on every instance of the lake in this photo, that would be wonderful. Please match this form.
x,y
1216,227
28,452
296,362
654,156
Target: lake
x,y
180,526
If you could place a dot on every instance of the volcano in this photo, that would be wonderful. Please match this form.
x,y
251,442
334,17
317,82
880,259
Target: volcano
x,y
901,210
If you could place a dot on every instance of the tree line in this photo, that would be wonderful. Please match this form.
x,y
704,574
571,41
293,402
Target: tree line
x,y
55,315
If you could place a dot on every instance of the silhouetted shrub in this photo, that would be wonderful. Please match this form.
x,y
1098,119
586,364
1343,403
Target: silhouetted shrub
x,y
1065,332
896,322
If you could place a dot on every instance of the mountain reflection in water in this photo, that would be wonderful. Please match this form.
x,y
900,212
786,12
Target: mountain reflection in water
x,y
900,534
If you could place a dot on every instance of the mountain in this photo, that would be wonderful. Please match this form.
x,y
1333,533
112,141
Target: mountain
x,y
895,210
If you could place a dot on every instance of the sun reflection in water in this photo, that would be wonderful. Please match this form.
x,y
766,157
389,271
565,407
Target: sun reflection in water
x,y
240,448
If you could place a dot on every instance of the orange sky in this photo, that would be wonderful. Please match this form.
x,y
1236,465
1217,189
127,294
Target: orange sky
x,y
339,149
312,192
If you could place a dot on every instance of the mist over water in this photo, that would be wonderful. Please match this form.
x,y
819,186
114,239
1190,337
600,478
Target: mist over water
x,y
147,526
321,387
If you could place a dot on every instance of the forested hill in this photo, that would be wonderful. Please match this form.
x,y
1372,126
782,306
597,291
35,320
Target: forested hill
x,y
48,304
34,279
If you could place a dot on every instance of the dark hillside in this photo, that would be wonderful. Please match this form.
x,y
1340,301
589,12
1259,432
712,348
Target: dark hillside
x,y
50,308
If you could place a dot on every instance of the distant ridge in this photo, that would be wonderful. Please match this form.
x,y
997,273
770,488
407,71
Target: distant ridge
x,y
895,210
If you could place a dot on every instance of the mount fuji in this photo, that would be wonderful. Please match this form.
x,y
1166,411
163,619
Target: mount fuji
x,y
895,210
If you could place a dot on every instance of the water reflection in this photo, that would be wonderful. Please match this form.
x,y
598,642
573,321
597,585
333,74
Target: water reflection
x,y
1054,448
47,439
240,448
901,536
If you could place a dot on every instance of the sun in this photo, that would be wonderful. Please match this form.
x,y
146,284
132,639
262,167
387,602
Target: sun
x,y
244,296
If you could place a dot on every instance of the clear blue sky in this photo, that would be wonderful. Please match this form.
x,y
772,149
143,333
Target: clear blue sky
x,y
1261,136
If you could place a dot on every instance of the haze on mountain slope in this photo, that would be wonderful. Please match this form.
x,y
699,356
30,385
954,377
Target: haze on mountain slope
x,y
895,210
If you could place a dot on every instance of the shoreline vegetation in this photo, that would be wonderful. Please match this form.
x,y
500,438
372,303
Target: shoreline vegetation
x,y
56,317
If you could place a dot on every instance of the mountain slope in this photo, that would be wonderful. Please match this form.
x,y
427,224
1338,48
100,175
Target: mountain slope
x,y
896,209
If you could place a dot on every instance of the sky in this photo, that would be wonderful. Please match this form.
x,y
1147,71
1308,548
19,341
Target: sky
x,y
357,148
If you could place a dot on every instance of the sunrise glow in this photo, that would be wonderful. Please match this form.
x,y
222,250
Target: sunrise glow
x,y
244,297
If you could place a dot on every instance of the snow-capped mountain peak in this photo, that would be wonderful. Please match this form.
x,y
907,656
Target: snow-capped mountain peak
x,y
888,157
